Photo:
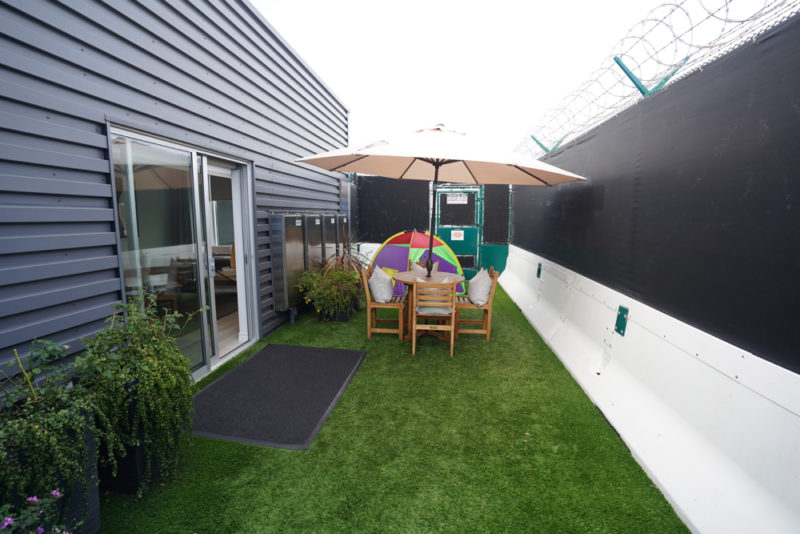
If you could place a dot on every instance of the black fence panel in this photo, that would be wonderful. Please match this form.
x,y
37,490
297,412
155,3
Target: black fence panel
x,y
692,203
387,206
457,214
495,214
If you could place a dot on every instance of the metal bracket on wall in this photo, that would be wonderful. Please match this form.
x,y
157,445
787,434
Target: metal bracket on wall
x,y
639,85
622,321
547,150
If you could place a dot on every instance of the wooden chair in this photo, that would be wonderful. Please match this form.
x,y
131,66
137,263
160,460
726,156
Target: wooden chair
x,y
485,322
373,321
433,302
181,280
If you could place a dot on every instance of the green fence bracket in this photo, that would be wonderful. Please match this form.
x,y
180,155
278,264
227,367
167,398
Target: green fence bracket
x,y
547,150
622,320
539,271
639,85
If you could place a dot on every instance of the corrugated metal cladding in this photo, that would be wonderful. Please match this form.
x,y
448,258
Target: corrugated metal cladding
x,y
212,74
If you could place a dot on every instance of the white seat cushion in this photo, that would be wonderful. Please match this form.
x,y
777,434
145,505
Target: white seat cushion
x,y
433,310
421,268
479,288
380,285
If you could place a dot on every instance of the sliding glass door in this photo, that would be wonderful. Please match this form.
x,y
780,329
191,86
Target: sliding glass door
x,y
220,181
182,234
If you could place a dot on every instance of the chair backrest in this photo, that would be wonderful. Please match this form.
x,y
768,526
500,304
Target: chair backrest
x,y
366,273
434,299
181,271
494,275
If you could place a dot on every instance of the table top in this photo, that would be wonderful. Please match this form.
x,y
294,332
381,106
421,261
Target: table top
x,y
409,277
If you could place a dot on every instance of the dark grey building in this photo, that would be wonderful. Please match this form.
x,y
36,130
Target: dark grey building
x,y
144,145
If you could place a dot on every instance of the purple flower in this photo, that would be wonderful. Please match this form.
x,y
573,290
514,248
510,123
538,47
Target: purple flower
x,y
39,530
7,522
33,499
55,493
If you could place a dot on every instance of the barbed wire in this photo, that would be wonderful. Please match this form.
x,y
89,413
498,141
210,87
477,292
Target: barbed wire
x,y
674,40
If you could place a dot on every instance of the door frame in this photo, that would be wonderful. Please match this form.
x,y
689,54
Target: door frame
x,y
209,167
477,190
244,169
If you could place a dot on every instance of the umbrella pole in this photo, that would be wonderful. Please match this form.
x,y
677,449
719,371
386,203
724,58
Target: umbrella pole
x,y
429,263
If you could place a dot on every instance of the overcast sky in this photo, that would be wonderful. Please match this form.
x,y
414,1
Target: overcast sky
x,y
490,68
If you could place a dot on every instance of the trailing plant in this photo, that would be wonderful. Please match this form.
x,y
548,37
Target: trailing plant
x,y
35,514
44,421
141,382
332,292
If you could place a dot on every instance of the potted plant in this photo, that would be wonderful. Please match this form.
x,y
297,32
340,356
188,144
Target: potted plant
x,y
142,385
332,292
47,446
348,257
329,288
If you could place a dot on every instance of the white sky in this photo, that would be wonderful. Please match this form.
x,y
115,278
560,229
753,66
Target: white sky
x,y
490,68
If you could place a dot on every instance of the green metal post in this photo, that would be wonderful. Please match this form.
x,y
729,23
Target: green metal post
x,y
631,76
639,85
546,150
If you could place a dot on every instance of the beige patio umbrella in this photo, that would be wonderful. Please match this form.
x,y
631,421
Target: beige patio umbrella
x,y
438,154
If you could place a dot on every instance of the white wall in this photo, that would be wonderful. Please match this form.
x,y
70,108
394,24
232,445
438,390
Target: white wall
x,y
716,427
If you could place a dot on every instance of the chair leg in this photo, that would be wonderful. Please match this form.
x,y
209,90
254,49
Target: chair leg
x,y
458,318
413,332
487,323
452,335
369,325
400,313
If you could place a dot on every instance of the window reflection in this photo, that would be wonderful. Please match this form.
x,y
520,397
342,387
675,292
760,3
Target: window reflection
x,y
157,237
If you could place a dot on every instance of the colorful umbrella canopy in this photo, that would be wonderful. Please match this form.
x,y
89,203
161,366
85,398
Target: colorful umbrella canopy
x,y
394,253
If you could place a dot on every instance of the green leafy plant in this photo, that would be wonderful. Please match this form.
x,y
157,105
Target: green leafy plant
x,y
332,292
44,419
36,514
141,382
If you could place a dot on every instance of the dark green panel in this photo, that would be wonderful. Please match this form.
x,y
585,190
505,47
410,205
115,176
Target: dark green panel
x,y
494,256
467,246
622,321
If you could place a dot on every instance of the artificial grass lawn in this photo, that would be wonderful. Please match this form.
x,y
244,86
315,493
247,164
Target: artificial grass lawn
x,y
499,438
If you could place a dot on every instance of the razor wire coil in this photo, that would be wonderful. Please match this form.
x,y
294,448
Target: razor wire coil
x,y
674,40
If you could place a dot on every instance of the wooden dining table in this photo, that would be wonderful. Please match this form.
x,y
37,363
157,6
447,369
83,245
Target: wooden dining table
x,y
409,277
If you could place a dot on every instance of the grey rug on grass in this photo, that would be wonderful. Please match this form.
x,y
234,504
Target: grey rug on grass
x,y
280,397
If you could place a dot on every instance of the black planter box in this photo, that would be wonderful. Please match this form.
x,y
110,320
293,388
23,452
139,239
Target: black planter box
x,y
83,504
130,472
131,468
